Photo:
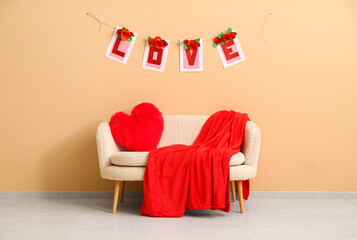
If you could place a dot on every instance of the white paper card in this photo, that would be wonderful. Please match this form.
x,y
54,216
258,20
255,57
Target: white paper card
x,y
191,60
155,58
230,53
118,49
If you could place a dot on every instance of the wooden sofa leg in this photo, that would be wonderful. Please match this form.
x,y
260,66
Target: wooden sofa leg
x,y
233,189
240,196
116,195
122,187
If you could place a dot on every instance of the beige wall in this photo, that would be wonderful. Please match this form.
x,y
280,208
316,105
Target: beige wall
x,y
57,86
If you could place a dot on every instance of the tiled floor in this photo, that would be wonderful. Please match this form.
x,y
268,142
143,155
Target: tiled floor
x,y
91,218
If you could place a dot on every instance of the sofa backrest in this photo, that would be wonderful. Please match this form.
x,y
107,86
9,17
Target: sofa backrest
x,y
181,129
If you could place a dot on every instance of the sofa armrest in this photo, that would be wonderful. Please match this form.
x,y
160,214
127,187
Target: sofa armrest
x,y
251,145
106,146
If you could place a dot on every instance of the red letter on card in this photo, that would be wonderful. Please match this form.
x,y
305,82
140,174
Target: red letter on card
x,y
228,52
155,55
116,47
191,57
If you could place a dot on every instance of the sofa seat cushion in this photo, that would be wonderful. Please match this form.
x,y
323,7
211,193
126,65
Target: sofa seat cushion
x,y
140,159
128,158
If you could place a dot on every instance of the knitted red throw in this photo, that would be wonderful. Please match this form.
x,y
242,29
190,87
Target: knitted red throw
x,y
197,176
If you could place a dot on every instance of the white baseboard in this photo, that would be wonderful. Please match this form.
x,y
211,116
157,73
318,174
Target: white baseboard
x,y
302,194
135,194
61,194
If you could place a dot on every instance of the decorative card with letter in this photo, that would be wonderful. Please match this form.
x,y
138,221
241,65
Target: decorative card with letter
x,y
121,44
229,48
155,54
191,55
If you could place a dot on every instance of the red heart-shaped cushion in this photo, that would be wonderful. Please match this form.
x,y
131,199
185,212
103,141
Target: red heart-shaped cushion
x,y
140,131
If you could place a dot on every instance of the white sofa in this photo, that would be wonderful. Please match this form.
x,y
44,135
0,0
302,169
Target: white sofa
x,y
118,164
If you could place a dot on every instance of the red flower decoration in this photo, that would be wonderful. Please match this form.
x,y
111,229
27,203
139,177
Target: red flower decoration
x,y
151,42
217,40
232,35
157,42
191,44
225,38
222,38
125,34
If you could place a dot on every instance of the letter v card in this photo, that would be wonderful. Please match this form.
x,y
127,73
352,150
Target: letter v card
x,y
230,53
191,59
120,49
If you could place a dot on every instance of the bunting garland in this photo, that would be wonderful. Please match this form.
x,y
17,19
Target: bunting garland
x,y
191,50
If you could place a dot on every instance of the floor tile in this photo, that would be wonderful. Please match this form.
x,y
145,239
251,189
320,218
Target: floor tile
x,y
264,218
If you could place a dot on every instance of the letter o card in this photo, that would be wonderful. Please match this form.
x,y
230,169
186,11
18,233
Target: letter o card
x,y
231,53
191,60
155,58
120,49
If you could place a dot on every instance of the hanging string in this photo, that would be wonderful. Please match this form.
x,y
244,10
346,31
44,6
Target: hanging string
x,y
263,29
100,21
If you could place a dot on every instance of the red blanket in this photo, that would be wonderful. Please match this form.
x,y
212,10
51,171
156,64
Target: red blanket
x,y
197,176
